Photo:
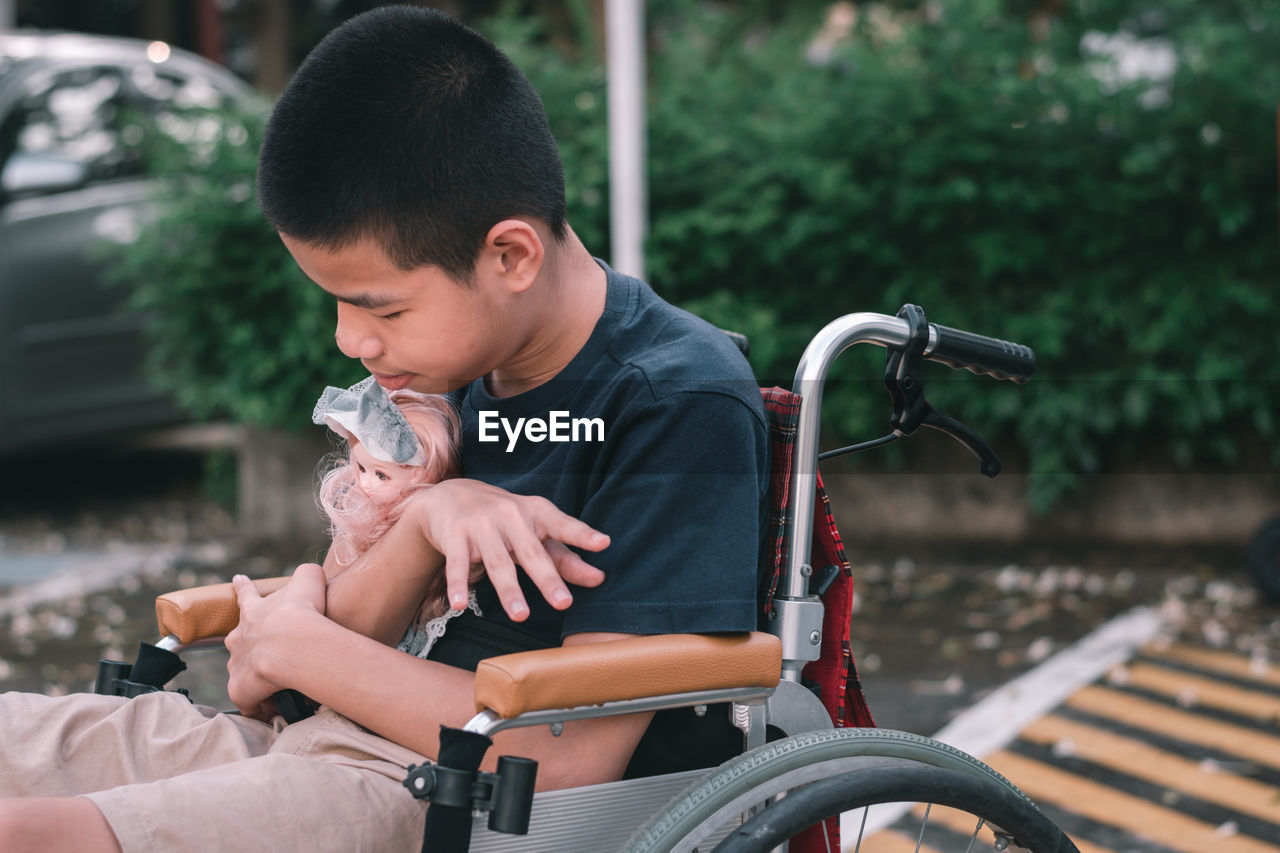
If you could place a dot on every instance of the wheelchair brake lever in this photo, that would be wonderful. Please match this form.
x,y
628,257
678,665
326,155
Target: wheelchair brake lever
x,y
988,462
906,388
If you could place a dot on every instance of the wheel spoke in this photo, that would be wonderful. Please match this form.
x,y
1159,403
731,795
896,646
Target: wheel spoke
x,y
846,771
924,824
857,848
974,837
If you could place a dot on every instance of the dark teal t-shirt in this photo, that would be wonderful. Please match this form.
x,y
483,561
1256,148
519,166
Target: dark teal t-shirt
x,y
656,435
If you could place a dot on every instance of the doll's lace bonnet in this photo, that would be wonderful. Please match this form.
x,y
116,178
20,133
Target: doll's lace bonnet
x,y
365,413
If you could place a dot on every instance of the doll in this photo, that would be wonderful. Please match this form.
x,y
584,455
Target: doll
x,y
397,444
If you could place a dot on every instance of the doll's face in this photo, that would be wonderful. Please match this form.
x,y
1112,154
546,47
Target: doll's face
x,y
383,482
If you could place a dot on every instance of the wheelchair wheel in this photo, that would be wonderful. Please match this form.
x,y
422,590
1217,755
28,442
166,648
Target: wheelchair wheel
x,y
710,810
953,811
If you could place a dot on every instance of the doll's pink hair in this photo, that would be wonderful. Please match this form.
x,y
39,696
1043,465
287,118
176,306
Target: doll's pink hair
x,y
355,521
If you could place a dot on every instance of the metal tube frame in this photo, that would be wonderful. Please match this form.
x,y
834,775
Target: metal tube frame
x,y
171,643
488,722
811,376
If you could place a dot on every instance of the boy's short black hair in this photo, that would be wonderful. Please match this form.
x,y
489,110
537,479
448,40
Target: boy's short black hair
x,y
407,127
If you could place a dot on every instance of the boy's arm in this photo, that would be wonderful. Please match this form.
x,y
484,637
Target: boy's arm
x,y
285,640
454,524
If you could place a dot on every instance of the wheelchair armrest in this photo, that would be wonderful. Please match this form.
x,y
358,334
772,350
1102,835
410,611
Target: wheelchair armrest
x,y
202,612
633,668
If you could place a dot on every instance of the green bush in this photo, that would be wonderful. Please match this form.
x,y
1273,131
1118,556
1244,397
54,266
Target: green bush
x,y
237,330
970,156
945,156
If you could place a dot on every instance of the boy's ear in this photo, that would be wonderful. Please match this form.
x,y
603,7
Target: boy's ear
x,y
513,252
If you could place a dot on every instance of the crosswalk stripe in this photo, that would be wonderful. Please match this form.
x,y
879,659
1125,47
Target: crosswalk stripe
x,y
962,823
1198,689
1228,663
1147,762
1154,716
1165,826
892,841
1089,847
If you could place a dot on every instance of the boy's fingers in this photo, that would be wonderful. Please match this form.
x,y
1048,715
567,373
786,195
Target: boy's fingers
x,y
501,570
457,568
245,590
573,568
571,531
309,571
542,570
304,577
307,584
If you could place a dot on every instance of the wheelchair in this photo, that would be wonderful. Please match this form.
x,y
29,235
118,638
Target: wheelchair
x,y
808,757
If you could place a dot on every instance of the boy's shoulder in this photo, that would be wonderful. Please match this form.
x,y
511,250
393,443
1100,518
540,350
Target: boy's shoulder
x,y
671,350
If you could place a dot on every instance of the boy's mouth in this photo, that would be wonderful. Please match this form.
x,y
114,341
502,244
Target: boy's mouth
x,y
394,383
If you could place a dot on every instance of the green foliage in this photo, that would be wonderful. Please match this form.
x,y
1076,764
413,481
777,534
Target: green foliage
x,y
236,330
971,156
571,82
986,166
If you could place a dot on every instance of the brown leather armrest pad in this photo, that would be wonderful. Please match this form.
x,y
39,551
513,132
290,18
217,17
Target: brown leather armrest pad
x,y
633,668
204,611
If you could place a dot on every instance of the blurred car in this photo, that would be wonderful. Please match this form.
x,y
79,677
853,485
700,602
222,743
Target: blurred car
x,y
74,113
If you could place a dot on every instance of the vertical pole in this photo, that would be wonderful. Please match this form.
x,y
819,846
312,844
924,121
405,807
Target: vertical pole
x,y
8,15
273,31
628,194
209,31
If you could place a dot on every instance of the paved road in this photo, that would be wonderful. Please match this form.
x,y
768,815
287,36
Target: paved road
x,y
1176,750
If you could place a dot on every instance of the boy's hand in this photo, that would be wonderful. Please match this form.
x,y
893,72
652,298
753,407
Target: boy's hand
x,y
268,626
472,522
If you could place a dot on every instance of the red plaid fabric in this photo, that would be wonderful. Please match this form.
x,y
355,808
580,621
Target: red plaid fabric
x,y
835,671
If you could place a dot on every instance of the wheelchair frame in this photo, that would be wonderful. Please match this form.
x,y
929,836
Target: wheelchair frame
x,y
842,768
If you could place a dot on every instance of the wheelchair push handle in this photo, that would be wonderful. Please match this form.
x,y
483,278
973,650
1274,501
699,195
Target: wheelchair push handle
x,y
980,354
909,337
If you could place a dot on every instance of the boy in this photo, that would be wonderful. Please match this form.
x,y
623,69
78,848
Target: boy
x,y
411,174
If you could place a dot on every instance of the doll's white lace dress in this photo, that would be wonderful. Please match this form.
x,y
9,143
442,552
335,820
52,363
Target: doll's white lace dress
x,y
419,639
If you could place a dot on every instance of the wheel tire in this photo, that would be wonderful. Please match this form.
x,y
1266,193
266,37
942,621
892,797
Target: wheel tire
x,y
749,780
1263,559
999,806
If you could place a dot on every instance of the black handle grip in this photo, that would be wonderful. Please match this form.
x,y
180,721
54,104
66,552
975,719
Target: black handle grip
x,y
980,354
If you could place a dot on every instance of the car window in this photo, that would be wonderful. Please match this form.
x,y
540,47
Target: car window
x,y
99,117
166,88
182,107
77,115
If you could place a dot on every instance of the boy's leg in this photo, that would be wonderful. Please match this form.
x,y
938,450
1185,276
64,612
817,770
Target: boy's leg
x,y
326,784
54,825
61,747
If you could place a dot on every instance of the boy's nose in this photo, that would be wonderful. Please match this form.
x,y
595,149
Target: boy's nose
x,y
354,341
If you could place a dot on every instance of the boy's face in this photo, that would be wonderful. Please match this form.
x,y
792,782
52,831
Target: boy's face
x,y
414,329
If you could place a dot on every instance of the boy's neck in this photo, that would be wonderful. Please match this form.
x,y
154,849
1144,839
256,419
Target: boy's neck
x,y
565,304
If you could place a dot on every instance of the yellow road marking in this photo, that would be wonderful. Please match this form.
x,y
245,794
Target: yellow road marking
x,y
962,823
1154,717
1043,782
1224,662
1089,847
1145,761
1261,705
891,841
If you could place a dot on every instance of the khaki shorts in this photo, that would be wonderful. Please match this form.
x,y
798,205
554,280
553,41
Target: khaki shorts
x,y
172,776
